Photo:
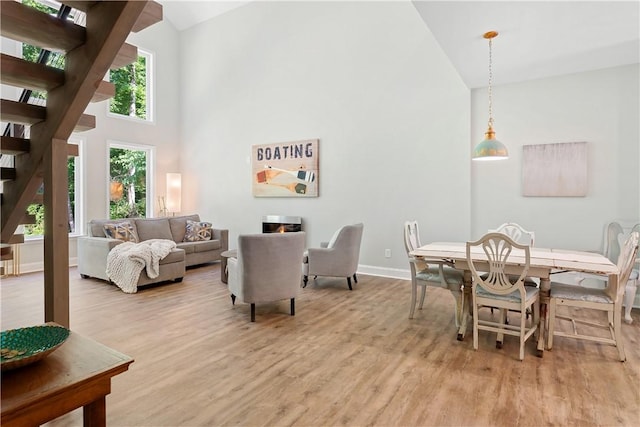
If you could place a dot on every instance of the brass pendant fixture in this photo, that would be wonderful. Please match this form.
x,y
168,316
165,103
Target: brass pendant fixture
x,y
490,148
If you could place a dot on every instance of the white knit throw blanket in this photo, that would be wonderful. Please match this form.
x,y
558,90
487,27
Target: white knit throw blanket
x,y
126,260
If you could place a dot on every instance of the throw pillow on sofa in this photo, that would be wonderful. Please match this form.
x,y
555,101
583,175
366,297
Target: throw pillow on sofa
x,y
196,231
122,231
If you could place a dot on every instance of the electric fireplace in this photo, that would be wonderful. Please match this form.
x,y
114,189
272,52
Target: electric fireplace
x,y
281,224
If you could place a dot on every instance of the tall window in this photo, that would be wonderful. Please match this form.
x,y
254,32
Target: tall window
x,y
74,201
133,88
130,186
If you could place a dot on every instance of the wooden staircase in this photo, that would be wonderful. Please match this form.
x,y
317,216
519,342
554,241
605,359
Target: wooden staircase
x,y
90,51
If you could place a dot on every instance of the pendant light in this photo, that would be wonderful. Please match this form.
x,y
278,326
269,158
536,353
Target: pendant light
x,y
490,148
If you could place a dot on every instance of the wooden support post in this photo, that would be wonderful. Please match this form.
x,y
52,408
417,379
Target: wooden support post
x,y
56,233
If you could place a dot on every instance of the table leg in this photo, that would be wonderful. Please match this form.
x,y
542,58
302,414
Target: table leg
x,y
223,269
545,288
95,413
466,304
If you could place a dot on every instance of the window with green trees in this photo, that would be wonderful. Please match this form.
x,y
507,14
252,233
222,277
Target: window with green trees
x,y
128,187
73,201
133,88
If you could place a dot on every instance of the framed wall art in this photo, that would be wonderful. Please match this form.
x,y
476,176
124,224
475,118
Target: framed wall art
x,y
555,170
285,169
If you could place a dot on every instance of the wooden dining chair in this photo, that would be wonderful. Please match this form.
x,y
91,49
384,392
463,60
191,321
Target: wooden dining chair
x,y
608,300
524,237
501,290
517,233
435,273
616,233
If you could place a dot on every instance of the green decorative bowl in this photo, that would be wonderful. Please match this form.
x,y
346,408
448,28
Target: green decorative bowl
x,y
20,347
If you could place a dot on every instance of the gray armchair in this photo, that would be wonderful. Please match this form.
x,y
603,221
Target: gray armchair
x,y
267,268
336,258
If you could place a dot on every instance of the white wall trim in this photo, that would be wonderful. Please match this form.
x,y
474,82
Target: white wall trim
x,y
392,273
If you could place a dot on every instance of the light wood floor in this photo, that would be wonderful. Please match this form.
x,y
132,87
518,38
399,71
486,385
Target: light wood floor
x,y
345,359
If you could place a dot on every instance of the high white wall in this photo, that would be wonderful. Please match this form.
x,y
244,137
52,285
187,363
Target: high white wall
x,y
599,107
366,78
393,120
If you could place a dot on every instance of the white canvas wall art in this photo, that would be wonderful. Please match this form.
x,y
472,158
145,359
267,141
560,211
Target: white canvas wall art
x,y
555,170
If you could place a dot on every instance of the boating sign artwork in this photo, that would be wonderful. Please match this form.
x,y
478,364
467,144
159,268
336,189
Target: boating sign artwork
x,y
285,169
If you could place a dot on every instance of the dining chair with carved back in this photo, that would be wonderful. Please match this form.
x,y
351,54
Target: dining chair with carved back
x,y
608,299
502,290
434,273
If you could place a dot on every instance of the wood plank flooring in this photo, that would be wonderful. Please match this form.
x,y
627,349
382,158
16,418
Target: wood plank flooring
x,y
345,359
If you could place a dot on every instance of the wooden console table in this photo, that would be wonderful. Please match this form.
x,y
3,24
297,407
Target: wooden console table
x,y
76,374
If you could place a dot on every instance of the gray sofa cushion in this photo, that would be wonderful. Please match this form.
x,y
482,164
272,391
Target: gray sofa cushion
x,y
178,226
188,247
153,229
206,245
175,255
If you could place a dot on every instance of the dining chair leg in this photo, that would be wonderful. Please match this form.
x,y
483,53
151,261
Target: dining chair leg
x,y
475,325
293,306
552,323
355,278
523,322
253,312
349,283
617,323
422,295
503,320
414,291
457,296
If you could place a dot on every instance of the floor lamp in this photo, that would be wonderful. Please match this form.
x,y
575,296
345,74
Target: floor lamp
x,y
174,192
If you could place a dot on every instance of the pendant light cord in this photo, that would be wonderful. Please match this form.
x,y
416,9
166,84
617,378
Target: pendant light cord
x,y
490,83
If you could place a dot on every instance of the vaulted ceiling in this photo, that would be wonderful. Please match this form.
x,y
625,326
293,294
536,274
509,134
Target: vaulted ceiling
x,y
537,38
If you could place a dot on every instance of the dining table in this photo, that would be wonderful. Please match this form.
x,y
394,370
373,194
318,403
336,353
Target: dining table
x,y
543,263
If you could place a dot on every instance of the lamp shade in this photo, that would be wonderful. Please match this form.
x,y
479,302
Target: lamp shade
x,y
174,192
490,148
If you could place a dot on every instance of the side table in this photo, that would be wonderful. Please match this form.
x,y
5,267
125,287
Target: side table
x,y
224,256
78,374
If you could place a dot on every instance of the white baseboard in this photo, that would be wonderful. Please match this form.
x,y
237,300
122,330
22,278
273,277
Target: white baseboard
x,y
34,267
392,273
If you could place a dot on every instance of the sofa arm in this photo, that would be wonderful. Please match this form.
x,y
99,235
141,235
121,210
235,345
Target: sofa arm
x,y
223,236
92,255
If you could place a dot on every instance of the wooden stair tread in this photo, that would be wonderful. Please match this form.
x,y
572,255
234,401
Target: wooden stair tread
x,y
29,75
106,90
7,173
28,219
128,54
19,73
86,122
26,24
14,146
151,14
15,240
20,112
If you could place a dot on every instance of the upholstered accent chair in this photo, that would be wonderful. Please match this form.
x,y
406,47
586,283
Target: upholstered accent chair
x,y
267,268
501,290
337,258
435,273
608,300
